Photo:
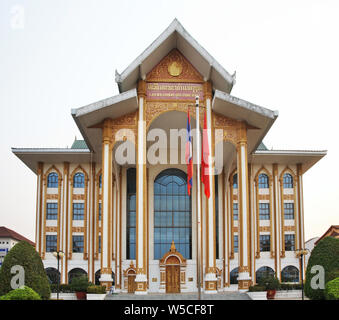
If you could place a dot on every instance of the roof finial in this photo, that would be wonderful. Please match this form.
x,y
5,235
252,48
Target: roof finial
x,y
173,248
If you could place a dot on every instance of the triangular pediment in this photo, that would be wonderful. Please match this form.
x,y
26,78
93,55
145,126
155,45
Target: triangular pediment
x,y
174,68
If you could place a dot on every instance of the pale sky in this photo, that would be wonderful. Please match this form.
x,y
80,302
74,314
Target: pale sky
x,y
56,55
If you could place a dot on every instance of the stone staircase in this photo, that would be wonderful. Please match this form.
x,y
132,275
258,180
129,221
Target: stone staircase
x,y
231,295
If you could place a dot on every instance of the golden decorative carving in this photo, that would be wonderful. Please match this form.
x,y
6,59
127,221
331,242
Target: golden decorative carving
x,y
77,229
264,229
289,228
155,109
78,197
288,196
51,229
263,197
125,128
52,196
174,68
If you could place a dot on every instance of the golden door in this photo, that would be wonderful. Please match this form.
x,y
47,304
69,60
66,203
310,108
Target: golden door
x,y
172,279
131,284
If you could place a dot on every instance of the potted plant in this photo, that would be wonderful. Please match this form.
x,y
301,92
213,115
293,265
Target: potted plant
x,y
96,292
257,292
271,284
80,285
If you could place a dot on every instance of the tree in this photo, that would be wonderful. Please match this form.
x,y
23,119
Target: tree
x,y
325,255
25,256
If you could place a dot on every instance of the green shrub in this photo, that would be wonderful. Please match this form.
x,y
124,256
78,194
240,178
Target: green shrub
x,y
23,254
270,283
325,254
256,288
65,288
80,284
23,293
332,290
290,286
333,275
96,289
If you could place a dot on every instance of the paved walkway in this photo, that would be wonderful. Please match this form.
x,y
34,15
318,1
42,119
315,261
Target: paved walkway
x,y
181,296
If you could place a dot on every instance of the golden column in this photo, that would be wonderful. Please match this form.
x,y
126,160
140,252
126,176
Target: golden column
x,y
141,197
39,194
106,206
244,279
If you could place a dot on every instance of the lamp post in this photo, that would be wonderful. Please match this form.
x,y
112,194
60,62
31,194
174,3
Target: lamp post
x,y
58,254
300,253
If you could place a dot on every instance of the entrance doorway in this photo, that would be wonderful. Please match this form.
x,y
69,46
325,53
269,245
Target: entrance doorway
x,y
131,282
173,275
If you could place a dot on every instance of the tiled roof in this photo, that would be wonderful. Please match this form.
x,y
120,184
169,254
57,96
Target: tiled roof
x,y
262,147
79,144
8,233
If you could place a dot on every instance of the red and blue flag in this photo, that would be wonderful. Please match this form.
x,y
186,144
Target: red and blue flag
x,y
189,155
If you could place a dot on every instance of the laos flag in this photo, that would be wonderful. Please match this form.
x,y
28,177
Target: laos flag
x,y
189,155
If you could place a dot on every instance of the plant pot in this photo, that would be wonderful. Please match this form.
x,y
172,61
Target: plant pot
x,y
270,294
81,295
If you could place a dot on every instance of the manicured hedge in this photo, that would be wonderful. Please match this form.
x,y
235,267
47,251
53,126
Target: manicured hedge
x,y
23,254
96,289
332,290
325,254
23,293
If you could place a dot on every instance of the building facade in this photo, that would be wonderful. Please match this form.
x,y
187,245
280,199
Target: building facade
x,y
116,203
8,239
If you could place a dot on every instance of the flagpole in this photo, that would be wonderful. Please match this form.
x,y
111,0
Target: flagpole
x,y
198,197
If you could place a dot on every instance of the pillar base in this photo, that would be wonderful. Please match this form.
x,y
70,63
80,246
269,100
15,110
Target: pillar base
x,y
244,281
106,280
141,284
211,283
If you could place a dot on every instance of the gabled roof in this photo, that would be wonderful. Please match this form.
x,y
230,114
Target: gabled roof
x,y
175,36
8,233
333,231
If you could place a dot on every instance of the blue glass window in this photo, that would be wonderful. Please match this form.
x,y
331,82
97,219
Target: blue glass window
x,y
289,242
100,181
52,180
79,180
265,243
263,181
288,181
289,210
51,243
264,211
172,213
235,242
131,213
234,276
235,181
99,248
78,244
78,211
99,213
235,211
263,273
290,274
52,211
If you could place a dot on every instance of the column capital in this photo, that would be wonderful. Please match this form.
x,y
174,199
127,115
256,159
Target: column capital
x,y
107,131
208,90
142,88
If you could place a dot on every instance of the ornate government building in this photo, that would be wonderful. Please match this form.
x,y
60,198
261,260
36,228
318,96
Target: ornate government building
x,y
125,218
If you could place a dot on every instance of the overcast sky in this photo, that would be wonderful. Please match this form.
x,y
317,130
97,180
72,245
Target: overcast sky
x,y
61,54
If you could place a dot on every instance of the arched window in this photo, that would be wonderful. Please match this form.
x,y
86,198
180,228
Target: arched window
x,y
172,213
52,275
52,180
79,180
234,276
288,181
74,273
235,181
290,274
263,272
263,181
